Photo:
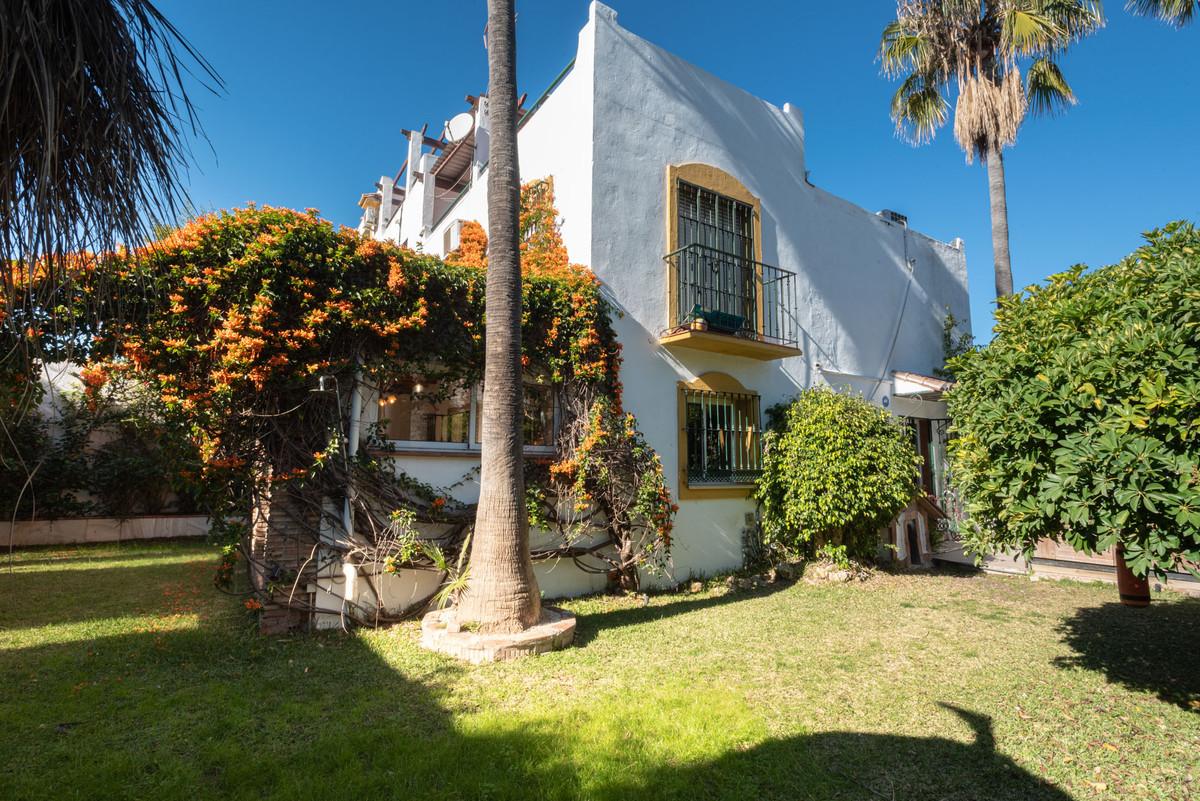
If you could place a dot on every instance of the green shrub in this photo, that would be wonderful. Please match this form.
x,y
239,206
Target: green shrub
x,y
1080,420
835,471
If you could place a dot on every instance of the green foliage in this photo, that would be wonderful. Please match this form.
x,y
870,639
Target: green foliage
x,y
1081,419
835,471
955,343
109,453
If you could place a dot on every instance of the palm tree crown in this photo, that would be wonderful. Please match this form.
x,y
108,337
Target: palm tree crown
x,y
979,46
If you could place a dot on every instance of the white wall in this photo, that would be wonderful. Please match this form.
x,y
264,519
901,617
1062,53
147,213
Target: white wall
x,y
653,110
871,294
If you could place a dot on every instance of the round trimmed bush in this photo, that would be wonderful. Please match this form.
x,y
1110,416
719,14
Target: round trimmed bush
x,y
836,470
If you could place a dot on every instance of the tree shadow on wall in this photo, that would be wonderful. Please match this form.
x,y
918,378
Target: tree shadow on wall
x,y
1156,649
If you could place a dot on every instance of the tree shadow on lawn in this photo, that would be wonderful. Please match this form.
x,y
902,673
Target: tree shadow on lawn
x,y
856,765
214,712
1155,649
591,624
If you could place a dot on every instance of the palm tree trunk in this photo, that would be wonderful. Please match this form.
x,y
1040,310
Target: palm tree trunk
x,y
502,593
996,193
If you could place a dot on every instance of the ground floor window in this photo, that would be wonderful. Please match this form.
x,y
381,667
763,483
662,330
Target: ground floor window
x,y
539,428
425,413
723,437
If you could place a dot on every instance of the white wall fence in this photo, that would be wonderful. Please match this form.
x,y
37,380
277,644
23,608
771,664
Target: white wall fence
x,y
1056,560
73,531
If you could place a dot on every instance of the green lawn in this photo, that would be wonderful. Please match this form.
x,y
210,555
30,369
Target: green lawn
x,y
125,675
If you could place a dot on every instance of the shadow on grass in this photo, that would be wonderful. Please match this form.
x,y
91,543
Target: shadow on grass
x,y
1156,649
858,766
592,623
218,713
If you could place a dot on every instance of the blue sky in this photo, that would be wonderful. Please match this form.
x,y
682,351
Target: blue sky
x,y
318,91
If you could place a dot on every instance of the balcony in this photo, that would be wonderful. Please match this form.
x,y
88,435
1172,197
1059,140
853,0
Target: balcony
x,y
724,303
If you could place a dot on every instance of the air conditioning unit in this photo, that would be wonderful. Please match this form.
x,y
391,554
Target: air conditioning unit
x,y
893,217
452,237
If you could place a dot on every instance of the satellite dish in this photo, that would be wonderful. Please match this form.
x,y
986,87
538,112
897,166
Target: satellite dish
x,y
458,127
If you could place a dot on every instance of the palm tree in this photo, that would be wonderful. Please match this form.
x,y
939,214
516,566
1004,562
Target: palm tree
x,y
502,593
1175,12
979,46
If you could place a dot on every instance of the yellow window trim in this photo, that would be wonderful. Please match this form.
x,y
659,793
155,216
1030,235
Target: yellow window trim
x,y
716,180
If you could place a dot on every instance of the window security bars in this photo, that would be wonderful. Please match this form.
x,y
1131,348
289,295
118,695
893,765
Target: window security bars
x,y
717,284
724,438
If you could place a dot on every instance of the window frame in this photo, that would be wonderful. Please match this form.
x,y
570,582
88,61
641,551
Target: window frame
x,y
720,182
720,385
473,446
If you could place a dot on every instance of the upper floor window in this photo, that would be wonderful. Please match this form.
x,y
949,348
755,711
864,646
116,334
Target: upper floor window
x,y
714,221
721,296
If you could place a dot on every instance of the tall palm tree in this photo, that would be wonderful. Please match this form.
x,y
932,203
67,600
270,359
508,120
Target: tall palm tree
x,y
502,593
1175,12
978,47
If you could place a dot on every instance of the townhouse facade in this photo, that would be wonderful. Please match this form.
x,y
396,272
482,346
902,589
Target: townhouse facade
x,y
737,282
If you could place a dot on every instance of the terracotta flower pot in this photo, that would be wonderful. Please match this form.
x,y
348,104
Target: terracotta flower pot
x,y
1134,591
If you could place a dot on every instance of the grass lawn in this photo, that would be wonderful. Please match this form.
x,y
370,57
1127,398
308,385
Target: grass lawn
x,y
126,676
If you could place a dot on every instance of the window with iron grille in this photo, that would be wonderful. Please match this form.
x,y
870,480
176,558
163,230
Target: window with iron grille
x,y
723,437
717,276
714,221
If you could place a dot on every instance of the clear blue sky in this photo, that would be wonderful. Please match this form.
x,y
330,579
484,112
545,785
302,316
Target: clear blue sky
x,y
317,93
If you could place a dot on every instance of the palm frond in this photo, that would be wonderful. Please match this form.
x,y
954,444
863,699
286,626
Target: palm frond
x,y
902,49
919,109
1025,30
989,112
1174,12
95,111
1075,19
1047,89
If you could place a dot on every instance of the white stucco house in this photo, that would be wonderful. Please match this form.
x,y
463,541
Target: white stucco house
x,y
738,281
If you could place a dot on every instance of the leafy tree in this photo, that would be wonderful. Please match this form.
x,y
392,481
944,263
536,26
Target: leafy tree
x,y
1080,420
502,593
979,47
836,470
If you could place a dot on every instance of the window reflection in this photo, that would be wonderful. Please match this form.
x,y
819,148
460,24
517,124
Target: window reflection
x,y
538,429
432,411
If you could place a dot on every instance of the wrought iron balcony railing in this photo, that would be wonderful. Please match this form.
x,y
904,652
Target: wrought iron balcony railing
x,y
724,293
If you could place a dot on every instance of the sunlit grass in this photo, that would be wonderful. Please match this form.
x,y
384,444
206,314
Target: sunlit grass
x,y
127,675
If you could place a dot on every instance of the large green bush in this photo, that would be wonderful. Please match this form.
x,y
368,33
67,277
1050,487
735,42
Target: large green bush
x,y
1080,420
836,470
